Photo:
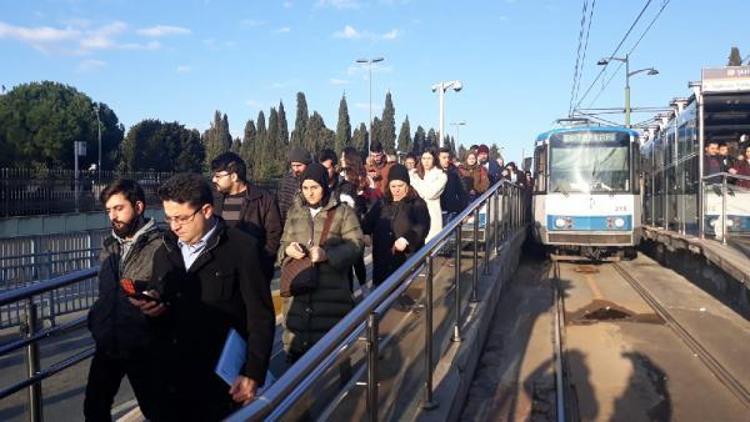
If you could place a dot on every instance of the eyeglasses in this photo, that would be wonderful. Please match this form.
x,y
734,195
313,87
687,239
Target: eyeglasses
x,y
181,219
219,175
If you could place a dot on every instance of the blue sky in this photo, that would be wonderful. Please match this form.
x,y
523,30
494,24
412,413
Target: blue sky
x,y
181,60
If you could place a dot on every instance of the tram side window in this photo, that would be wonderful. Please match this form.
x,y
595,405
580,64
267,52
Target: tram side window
x,y
540,169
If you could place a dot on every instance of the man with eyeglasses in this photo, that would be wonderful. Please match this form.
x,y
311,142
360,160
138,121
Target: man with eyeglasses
x,y
206,280
247,207
122,335
382,166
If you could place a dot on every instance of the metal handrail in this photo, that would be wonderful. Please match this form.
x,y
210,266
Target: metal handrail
x,y
34,374
362,314
22,293
726,174
725,188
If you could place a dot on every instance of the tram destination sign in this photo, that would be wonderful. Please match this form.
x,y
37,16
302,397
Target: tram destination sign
x,y
726,79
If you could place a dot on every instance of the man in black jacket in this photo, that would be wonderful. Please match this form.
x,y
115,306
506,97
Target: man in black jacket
x,y
454,198
122,335
205,276
247,207
299,159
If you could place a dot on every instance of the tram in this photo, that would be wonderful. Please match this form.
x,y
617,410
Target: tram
x,y
679,194
586,198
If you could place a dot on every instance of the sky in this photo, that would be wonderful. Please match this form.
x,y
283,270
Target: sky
x,y
182,60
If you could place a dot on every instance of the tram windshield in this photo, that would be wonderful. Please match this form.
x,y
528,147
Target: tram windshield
x,y
590,162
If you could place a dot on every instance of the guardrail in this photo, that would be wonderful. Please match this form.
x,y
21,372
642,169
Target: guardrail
x,y
33,332
288,397
741,204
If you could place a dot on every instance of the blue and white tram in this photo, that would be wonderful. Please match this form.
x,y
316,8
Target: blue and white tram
x,y
586,197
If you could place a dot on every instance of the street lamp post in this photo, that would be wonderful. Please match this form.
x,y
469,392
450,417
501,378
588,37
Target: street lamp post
x,y
650,71
441,87
99,135
458,126
369,63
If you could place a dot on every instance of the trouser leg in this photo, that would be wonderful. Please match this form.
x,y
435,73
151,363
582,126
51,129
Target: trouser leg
x,y
145,382
105,375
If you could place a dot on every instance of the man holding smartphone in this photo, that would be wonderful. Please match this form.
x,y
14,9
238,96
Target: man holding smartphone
x,y
210,280
123,337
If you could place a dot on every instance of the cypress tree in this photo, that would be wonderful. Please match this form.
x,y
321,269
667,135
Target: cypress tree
x,y
247,150
236,145
432,140
404,136
388,126
359,138
344,126
217,139
260,146
735,58
272,145
461,152
300,124
283,126
375,131
420,140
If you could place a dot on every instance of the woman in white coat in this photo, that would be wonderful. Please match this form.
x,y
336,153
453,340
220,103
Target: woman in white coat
x,y
429,182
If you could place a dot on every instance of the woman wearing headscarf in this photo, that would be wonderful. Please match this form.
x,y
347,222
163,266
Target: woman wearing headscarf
x,y
429,181
398,224
474,175
308,317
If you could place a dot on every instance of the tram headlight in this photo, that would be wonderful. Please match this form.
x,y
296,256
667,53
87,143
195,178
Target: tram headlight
x,y
619,222
560,222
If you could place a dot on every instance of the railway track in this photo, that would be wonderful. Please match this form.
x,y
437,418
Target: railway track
x,y
618,297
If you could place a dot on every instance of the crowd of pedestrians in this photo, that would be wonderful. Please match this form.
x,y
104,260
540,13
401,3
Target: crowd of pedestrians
x,y
170,298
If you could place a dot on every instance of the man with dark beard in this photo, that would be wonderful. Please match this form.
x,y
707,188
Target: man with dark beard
x,y
123,338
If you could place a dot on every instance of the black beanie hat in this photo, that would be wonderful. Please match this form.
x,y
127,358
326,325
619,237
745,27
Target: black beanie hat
x,y
319,174
399,172
299,155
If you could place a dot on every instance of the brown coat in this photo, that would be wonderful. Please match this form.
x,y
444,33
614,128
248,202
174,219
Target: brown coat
x,y
479,180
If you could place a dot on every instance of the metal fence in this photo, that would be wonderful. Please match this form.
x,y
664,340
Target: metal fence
x,y
29,260
726,206
25,191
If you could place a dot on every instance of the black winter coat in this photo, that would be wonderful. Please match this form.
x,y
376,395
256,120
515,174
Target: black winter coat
x,y
454,197
120,329
286,194
221,290
259,217
388,221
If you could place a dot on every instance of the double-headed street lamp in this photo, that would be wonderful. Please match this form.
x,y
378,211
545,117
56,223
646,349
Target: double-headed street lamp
x,y
369,63
649,71
441,87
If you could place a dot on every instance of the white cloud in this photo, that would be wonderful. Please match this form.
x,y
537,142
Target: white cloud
x,y
391,35
351,33
151,45
283,30
253,104
287,5
37,36
90,65
348,32
72,40
162,30
335,81
183,68
340,4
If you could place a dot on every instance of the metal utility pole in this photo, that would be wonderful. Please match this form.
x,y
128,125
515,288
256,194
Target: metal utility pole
x,y
369,63
441,87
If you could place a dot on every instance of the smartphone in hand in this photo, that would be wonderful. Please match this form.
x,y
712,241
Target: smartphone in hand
x,y
136,290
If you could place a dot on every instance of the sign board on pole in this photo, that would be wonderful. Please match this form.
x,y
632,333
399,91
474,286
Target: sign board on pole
x,y
80,148
726,79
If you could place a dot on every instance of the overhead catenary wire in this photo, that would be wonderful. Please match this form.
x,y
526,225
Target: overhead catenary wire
x,y
619,66
577,67
585,49
614,52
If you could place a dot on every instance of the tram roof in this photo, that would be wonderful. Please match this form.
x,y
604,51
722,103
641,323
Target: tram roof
x,y
621,129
